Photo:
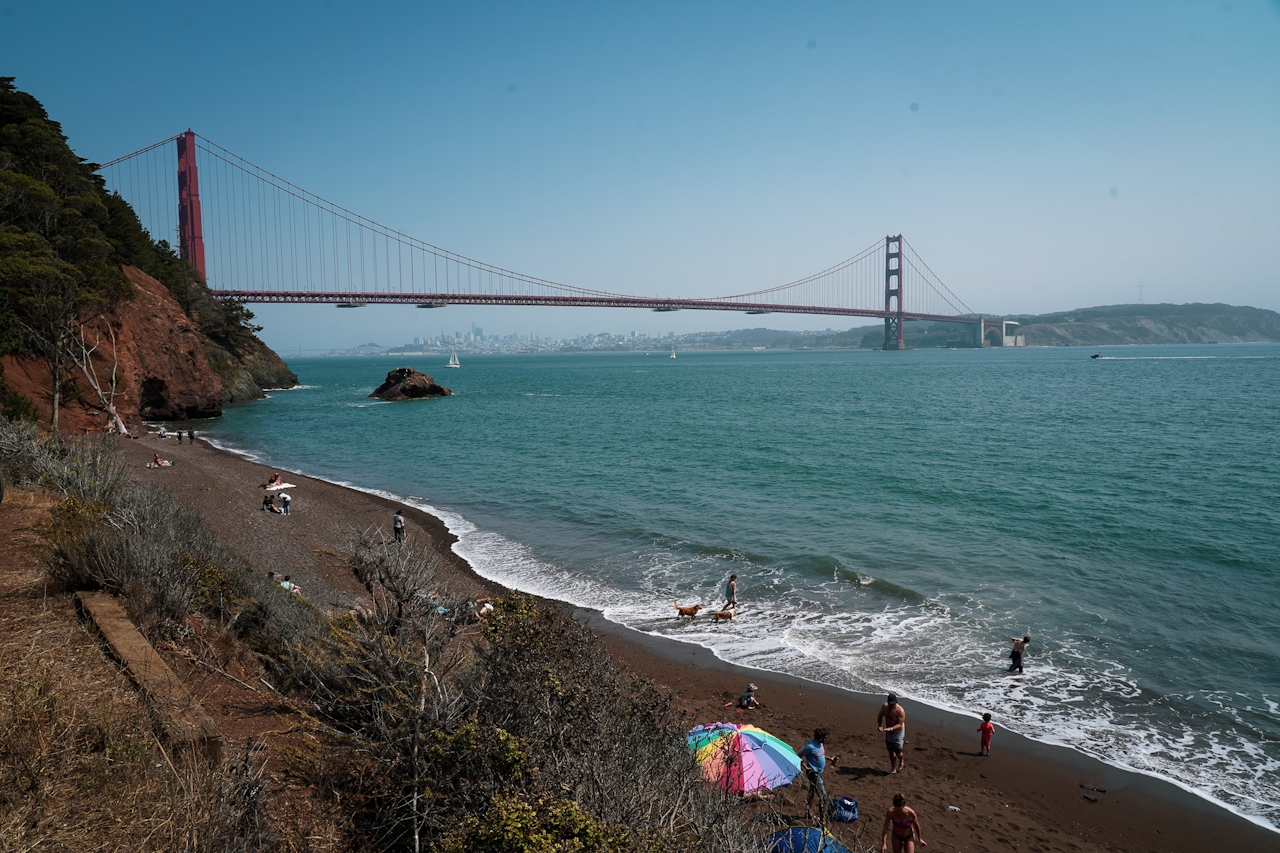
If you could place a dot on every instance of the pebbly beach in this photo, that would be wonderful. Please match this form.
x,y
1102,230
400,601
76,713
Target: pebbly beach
x,y
1025,796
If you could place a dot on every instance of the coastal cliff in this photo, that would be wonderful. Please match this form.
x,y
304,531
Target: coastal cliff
x,y
100,324
166,369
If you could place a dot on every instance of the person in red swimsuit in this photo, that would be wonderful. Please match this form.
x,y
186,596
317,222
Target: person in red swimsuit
x,y
903,826
987,730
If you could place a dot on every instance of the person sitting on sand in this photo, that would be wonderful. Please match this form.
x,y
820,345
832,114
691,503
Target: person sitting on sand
x,y
748,700
902,824
269,503
288,584
894,717
274,480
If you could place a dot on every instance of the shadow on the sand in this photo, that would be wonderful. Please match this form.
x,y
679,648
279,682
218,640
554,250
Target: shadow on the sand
x,y
860,772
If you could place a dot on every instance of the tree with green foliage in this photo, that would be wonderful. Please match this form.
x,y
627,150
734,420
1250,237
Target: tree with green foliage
x,y
63,240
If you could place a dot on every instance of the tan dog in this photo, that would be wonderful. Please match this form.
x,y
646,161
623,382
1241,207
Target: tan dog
x,y
687,611
724,615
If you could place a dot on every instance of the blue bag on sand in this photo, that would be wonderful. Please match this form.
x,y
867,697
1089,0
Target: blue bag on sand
x,y
844,810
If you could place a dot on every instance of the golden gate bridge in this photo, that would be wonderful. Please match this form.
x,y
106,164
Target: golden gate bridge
x,y
255,237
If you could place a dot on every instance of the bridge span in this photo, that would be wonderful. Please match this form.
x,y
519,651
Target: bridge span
x,y
254,237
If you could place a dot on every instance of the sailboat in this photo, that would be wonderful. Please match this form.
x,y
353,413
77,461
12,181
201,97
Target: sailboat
x,y
453,359
673,352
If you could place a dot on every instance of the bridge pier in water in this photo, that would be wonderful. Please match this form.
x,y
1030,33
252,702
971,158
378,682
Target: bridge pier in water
x,y
893,293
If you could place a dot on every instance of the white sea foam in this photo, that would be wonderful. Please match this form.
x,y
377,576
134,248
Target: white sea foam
x,y
1072,695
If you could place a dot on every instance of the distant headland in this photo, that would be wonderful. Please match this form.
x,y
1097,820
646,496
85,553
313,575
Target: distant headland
x,y
1194,323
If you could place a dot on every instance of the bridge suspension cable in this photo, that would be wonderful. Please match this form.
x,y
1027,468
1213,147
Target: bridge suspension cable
x,y
265,239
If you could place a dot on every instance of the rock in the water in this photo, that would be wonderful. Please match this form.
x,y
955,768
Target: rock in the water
x,y
405,383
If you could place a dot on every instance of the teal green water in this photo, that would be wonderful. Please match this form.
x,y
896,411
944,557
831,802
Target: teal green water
x,y
893,519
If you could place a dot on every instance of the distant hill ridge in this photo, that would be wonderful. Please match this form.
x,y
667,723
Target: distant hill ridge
x,y
1193,323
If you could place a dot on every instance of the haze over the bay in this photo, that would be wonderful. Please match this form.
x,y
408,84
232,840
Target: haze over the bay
x,y
1038,158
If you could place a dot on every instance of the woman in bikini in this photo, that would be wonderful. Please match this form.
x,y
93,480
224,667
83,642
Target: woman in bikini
x,y
902,823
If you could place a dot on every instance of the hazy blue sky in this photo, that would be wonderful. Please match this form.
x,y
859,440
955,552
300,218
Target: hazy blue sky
x,y
1058,156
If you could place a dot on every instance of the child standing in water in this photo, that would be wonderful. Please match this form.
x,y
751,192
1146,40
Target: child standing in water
x,y
987,729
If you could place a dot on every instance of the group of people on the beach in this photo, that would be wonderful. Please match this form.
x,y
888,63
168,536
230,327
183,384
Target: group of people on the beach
x,y
275,481
164,434
902,825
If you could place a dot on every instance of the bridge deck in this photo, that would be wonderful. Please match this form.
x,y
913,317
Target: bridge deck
x,y
440,300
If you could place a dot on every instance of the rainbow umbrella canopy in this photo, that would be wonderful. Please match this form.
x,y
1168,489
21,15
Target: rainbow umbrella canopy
x,y
742,759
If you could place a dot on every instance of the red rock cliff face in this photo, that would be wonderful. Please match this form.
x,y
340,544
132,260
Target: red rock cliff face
x,y
162,368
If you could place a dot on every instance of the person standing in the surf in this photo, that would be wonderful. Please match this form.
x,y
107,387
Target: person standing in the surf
x,y
1019,648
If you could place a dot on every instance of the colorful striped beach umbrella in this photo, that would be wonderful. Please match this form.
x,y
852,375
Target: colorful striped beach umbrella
x,y
742,759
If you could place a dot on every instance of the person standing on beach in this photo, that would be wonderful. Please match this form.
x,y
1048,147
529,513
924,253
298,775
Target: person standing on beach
x,y
892,720
397,526
191,436
987,730
1019,648
285,500
903,826
813,760
731,593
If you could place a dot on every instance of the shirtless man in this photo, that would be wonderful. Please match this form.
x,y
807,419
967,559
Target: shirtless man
x,y
1019,648
892,720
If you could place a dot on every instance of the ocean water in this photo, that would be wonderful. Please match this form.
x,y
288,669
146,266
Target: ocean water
x,y
893,519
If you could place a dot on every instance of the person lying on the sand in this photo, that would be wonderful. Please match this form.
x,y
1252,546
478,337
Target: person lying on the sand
x,y
159,463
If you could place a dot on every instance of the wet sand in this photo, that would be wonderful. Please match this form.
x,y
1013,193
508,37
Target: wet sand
x,y
1025,796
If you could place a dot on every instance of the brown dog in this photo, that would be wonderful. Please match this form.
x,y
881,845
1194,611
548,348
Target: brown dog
x,y
724,615
687,611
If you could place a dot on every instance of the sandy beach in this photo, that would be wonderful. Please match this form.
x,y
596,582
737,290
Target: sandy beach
x,y
1025,796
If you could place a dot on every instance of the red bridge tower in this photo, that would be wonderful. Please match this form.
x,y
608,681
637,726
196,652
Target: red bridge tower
x,y
190,231
892,292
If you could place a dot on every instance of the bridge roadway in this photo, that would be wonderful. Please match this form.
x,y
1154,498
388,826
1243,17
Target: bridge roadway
x,y
440,300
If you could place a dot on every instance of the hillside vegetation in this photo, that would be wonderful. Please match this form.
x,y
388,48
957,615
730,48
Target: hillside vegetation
x,y
64,244
426,728
1194,323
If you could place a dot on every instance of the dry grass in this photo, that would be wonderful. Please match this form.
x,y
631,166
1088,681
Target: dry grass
x,y
80,767
439,731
